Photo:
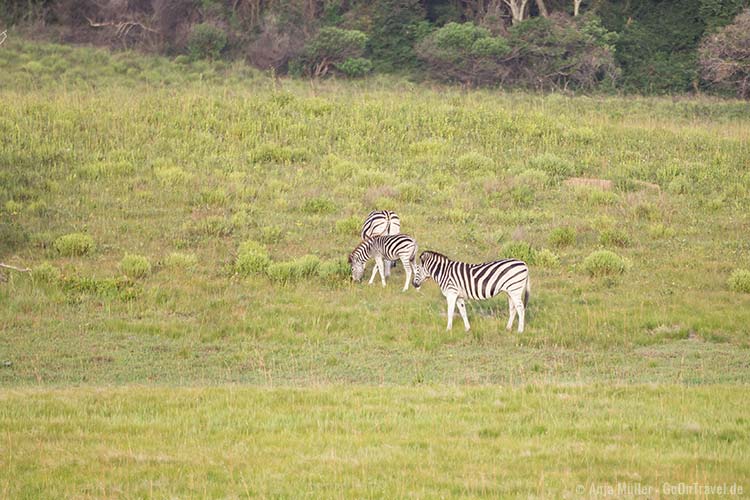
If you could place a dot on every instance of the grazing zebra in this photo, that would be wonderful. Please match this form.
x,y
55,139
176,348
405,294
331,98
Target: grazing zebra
x,y
459,281
381,223
384,248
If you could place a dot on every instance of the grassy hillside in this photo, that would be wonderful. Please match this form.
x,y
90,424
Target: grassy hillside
x,y
163,171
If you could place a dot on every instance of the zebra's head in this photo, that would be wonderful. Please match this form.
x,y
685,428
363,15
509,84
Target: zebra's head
x,y
358,259
420,272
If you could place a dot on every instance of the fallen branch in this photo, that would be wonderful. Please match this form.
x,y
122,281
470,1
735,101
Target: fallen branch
x,y
3,36
14,268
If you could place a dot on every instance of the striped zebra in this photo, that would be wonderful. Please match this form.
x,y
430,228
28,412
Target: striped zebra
x,y
384,248
459,281
381,223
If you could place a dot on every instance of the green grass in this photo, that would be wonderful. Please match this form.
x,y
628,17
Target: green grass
x,y
366,442
181,164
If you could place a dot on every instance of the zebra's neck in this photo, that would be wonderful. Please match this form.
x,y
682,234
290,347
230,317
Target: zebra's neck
x,y
364,250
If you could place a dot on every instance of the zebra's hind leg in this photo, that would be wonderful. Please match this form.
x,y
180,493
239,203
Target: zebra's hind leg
x,y
511,313
462,310
521,314
451,309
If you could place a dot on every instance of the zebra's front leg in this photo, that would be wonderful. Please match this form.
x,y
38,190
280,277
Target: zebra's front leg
x,y
379,263
374,272
511,313
407,268
462,310
521,314
451,309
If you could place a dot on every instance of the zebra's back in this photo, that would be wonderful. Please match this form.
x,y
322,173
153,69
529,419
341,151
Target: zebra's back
x,y
381,223
482,281
394,247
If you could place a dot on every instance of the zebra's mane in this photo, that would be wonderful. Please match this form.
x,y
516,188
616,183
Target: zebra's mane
x,y
431,252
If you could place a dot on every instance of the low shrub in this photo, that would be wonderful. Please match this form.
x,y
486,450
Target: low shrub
x,y
135,266
355,67
614,237
603,263
184,261
206,41
334,270
46,273
350,226
74,244
546,258
318,205
519,250
252,258
562,237
739,281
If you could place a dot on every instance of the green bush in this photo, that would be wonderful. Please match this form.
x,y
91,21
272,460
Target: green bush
x,y
283,272
74,244
474,162
355,67
546,258
135,266
562,237
333,47
614,237
46,273
177,260
350,226
465,53
318,205
739,281
334,270
252,258
206,41
519,250
556,167
603,263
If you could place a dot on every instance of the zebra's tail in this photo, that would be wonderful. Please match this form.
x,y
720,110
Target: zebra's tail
x,y
527,292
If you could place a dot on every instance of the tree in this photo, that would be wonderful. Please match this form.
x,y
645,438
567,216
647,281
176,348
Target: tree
x,y
517,9
724,57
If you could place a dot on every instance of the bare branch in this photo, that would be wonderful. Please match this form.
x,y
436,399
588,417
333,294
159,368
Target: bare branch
x,y
3,36
14,268
122,28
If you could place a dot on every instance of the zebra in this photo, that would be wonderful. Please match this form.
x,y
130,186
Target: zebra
x,y
382,223
384,248
459,281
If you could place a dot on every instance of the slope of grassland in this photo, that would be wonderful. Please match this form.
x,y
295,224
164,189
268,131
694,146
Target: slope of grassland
x,y
182,163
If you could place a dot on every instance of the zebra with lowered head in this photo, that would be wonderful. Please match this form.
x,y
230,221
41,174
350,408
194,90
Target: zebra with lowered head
x,y
382,223
384,249
460,281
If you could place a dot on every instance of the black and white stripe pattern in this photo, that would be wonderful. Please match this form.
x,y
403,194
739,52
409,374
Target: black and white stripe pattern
x,y
384,248
459,281
381,223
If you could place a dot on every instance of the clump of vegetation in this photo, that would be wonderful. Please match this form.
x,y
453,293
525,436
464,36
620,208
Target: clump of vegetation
x,y
293,270
46,273
336,48
74,245
274,153
614,237
546,258
556,167
336,270
519,250
725,57
474,162
562,237
739,281
604,263
318,205
135,266
252,258
206,41
350,226
183,261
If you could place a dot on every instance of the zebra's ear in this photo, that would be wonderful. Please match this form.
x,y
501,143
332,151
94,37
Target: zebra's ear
x,y
349,259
